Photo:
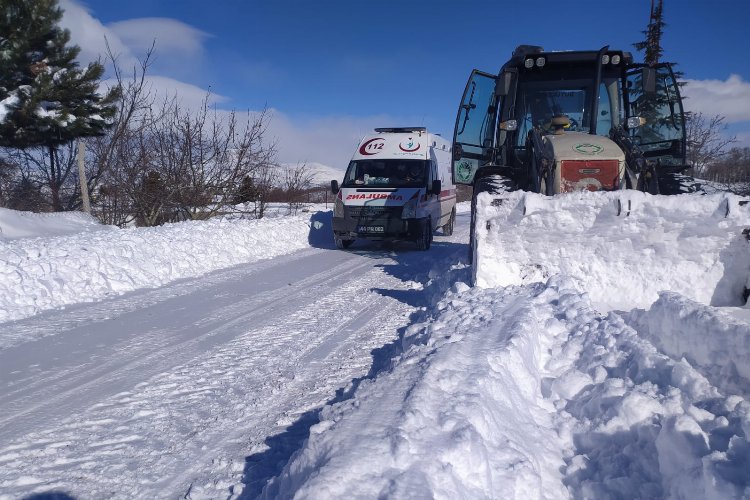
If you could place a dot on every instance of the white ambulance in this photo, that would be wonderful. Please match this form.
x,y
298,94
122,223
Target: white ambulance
x,y
398,187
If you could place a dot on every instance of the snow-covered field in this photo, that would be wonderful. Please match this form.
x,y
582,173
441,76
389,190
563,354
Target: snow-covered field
x,y
604,354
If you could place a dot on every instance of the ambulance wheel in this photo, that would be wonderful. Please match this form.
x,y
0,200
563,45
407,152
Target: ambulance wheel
x,y
342,244
425,237
448,228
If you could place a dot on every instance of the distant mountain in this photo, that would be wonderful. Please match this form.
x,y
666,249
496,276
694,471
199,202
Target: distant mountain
x,y
323,174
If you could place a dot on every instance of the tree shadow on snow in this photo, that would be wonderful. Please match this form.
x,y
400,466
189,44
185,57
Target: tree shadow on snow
x,y
407,266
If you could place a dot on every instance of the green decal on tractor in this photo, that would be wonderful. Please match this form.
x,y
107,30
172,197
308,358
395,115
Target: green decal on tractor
x,y
588,149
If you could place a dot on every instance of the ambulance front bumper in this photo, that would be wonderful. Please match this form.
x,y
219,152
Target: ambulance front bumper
x,y
375,224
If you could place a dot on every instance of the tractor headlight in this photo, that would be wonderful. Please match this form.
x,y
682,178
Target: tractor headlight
x,y
605,59
616,59
529,63
634,122
540,61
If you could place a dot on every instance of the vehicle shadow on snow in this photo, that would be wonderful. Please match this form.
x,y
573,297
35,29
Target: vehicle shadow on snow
x,y
408,265
430,271
321,230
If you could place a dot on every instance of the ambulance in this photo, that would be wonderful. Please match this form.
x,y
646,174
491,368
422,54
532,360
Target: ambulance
x,y
398,186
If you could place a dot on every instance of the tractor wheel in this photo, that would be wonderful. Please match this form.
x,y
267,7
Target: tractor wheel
x,y
677,183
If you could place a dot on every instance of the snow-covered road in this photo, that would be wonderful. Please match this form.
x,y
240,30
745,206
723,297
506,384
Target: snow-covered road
x,y
605,353
207,385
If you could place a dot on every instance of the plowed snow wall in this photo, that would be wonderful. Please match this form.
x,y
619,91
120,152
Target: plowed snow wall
x,y
623,248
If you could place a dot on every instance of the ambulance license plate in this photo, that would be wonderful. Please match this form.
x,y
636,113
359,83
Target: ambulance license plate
x,y
370,229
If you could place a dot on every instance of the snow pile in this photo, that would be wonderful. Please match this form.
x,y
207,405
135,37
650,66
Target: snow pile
x,y
527,392
622,248
717,341
43,273
15,224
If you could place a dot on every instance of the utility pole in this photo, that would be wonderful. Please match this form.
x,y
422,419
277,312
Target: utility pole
x,y
82,178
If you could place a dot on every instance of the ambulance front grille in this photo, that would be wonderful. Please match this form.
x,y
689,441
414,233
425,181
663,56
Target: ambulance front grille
x,y
374,211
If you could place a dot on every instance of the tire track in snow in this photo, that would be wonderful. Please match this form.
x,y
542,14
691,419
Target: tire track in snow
x,y
131,412
143,356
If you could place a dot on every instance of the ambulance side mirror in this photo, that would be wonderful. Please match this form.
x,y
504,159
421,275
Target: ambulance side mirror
x,y
437,187
335,187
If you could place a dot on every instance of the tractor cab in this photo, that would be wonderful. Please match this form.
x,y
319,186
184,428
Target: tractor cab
x,y
611,120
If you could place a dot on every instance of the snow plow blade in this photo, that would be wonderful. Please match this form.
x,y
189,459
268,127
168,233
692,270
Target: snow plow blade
x,y
606,239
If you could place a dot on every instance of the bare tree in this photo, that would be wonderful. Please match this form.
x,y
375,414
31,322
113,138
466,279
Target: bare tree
x,y
733,169
264,177
158,162
296,182
707,141
204,157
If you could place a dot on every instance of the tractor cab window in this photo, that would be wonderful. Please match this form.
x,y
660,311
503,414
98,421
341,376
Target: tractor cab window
x,y
662,133
386,173
538,102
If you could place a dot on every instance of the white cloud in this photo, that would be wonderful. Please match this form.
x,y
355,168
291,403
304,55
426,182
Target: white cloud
x,y
730,98
327,140
89,34
178,45
173,38
162,87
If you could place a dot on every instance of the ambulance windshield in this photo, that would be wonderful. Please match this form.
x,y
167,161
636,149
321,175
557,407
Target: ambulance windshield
x,y
386,173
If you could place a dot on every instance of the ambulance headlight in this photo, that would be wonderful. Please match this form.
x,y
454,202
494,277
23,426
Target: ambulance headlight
x,y
338,208
410,209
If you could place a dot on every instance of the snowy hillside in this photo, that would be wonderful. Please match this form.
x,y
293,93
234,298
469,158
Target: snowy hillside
x,y
604,354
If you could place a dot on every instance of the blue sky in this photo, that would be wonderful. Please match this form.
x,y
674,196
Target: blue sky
x,y
331,70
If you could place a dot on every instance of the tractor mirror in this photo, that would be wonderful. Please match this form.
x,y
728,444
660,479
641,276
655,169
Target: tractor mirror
x,y
502,85
648,76
334,187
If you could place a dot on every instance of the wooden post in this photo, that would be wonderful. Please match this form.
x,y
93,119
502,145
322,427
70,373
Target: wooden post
x,y
82,178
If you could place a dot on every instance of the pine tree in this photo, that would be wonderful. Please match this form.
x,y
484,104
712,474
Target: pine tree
x,y
46,99
652,44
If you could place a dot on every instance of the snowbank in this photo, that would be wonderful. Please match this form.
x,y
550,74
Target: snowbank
x,y
622,248
15,224
527,392
48,272
711,339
